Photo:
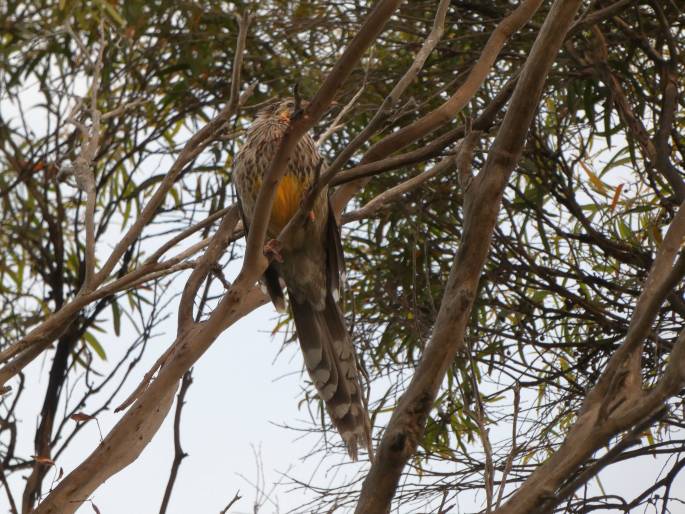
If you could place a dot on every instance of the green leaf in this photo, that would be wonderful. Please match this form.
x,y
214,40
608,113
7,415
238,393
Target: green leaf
x,y
624,230
176,196
113,13
116,318
95,345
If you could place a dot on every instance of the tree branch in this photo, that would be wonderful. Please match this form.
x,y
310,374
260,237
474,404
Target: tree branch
x,y
139,424
616,402
46,332
195,145
448,110
401,437
388,105
377,203
255,262
179,454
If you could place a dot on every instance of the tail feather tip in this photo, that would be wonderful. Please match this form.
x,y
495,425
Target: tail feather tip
x,y
353,441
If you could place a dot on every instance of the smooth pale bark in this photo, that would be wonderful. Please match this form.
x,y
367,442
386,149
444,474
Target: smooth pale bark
x,y
400,440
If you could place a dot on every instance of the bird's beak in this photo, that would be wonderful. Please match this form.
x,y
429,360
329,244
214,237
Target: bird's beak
x,y
284,116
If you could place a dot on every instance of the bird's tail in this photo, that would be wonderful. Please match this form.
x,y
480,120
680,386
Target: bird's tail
x,y
330,360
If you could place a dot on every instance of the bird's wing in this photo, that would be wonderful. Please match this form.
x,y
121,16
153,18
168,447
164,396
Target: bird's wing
x,y
335,265
270,278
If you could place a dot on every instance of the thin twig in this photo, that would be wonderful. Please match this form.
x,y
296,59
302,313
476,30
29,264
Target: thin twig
x,y
230,504
179,454
514,447
83,164
335,125
479,416
387,197
188,232
159,363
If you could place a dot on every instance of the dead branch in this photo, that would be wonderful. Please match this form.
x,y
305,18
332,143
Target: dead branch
x,y
335,124
230,503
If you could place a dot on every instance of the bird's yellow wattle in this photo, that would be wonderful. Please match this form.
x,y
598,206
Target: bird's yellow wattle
x,y
286,202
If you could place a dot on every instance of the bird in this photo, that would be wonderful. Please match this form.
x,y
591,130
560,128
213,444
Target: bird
x,y
310,267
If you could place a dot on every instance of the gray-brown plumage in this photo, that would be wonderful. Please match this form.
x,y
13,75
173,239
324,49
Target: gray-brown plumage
x,y
311,267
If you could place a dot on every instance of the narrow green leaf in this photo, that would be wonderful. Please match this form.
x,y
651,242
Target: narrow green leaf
x,y
95,345
116,318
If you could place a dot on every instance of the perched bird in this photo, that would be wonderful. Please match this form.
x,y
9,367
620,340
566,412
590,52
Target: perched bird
x,y
310,266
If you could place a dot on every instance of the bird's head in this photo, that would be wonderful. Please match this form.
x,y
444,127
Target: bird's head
x,y
282,110
285,109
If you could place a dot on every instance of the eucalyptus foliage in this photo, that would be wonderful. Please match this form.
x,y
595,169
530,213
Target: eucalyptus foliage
x,y
582,217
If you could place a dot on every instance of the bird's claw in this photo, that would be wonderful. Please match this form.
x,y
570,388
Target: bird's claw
x,y
272,250
311,216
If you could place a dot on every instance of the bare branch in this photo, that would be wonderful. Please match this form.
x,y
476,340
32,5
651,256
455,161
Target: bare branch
x,y
139,424
188,232
372,207
83,164
230,504
216,249
514,447
448,110
407,423
335,124
483,432
179,454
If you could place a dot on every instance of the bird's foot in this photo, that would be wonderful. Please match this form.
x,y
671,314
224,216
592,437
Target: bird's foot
x,y
272,250
311,215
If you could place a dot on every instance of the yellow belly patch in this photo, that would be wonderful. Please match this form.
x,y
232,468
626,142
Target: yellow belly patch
x,y
286,202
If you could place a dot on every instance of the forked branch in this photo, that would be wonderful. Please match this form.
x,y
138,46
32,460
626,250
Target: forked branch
x,y
402,435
